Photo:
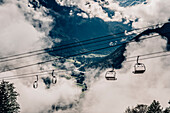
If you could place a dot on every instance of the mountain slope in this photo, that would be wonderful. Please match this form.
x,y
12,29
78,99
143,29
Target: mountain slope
x,y
117,57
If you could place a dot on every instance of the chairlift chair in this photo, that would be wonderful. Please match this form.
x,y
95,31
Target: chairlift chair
x,y
35,84
54,79
111,75
139,68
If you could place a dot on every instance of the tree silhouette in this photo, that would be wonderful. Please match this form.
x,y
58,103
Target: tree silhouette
x,y
155,107
8,98
167,110
138,109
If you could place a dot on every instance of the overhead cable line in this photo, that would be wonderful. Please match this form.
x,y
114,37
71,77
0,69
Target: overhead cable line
x,y
54,50
43,72
149,57
30,74
148,54
29,65
48,49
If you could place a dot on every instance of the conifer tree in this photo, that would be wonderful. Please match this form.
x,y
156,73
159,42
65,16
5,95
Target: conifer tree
x,y
167,110
155,107
8,98
138,109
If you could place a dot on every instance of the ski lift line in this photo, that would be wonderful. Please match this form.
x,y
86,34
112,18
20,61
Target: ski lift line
x,y
149,54
73,55
149,57
90,46
34,73
61,49
20,67
23,75
14,77
29,75
49,51
46,49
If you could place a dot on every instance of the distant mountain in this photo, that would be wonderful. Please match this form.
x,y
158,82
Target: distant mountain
x,y
74,28
117,57
164,31
125,3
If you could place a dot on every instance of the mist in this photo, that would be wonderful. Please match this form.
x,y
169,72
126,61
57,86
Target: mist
x,y
20,33
131,89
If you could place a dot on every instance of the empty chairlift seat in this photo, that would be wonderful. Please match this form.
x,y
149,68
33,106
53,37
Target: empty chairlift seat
x,y
111,75
139,68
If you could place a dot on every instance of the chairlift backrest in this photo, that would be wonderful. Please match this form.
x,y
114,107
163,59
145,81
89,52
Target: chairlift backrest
x,y
35,84
54,79
110,75
139,68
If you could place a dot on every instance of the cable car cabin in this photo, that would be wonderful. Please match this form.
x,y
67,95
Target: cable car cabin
x,y
110,75
139,68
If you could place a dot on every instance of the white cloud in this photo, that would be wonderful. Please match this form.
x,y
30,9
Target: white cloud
x,y
41,99
92,8
154,12
129,89
18,35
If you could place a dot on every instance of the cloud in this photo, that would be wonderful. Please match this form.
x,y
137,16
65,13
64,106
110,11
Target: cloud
x,y
15,31
41,99
19,33
25,29
154,12
129,89
92,8
147,13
